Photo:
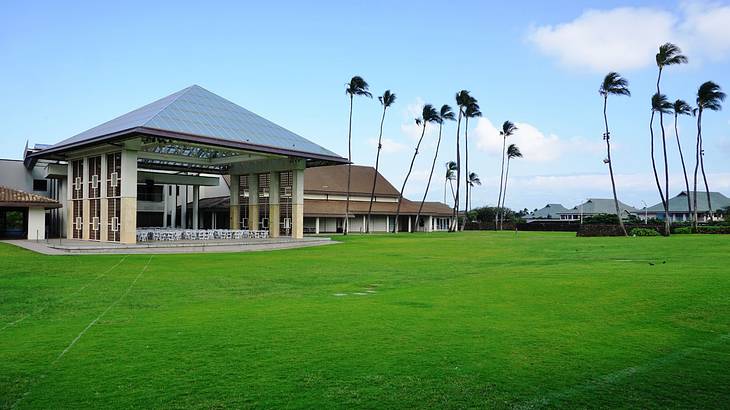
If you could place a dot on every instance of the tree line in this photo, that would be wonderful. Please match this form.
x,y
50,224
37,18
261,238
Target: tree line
x,y
709,97
468,108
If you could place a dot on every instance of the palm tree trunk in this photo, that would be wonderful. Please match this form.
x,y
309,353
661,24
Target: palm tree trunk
x,y
467,187
405,181
653,165
501,178
667,222
346,225
428,184
504,196
455,222
697,165
375,176
704,177
684,168
607,137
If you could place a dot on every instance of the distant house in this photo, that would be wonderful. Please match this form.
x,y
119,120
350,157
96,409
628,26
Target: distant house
x,y
678,207
596,206
550,212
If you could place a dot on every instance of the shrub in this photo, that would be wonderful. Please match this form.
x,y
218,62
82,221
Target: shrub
x,y
601,219
643,232
682,230
714,229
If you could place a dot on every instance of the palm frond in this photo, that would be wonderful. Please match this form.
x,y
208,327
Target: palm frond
x,y
670,54
659,103
680,107
472,110
710,96
614,84
387,99
357,86
429,113
508,128
463,98
513,151
446,114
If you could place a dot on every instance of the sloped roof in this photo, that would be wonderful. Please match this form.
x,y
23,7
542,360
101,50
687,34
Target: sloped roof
x,y
600,206
679,202
333,180
549,211
197,112
14,198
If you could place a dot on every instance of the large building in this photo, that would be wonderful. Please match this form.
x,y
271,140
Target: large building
x,y
194,160
679,209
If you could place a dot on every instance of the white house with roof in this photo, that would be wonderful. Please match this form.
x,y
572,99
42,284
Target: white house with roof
x,y
596,206
550,212
679,208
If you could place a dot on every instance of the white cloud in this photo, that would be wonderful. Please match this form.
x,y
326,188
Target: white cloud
x,y
533,143
627,37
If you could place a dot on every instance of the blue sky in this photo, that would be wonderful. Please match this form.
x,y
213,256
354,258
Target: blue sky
x,y
68,67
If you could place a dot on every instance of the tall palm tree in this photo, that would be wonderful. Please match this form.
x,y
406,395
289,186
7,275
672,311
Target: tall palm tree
x,y
512,152
462,100
508,129
429,114
659,104
680,107
470,111
445,114
613,84
356,86
386,100
709,97
450,176
472,181
669,54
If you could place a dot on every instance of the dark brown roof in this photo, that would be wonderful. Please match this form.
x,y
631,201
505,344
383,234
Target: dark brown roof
x,y
14,198
334,208
333,180
320,207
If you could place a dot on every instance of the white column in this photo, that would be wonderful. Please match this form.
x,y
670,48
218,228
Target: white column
x,y
297,203
234,210
213,220
274,185
184,207
387,223
128,224
316,225
429,224
85,217
409,224
173,214
165,203
103,202
362,228
196,199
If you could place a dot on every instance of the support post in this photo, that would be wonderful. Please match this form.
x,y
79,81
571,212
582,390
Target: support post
x,y
128,224
165,203
85,217
274,204
104,202
234,210
297,204
69,201
429,224
253,202
387,223
173,214
409,224
316,225
196,199
184,207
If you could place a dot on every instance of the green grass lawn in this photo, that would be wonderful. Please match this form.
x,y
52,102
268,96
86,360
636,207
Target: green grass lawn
x,y
442,320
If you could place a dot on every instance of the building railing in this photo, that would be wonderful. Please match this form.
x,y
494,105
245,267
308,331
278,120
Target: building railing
x,y
152,234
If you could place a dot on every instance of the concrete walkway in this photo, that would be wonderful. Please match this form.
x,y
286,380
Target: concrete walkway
x,y
66,247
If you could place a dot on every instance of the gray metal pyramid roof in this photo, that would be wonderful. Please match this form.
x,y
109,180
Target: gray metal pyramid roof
x,y
195,111
601,206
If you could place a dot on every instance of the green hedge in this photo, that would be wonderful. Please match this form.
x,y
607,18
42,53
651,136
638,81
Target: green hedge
x,y
709,229
643,232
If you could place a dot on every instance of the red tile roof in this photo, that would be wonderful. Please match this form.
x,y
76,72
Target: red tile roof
x,y
14,198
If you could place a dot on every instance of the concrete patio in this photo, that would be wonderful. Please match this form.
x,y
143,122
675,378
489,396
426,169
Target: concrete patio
x,y
66,246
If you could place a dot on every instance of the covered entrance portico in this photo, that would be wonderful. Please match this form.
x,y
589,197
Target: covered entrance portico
x,y
116,173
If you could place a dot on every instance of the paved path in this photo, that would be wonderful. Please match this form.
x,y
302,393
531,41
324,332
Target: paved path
x,y
67,247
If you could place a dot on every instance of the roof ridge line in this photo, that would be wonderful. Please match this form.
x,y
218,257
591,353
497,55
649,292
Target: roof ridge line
x,y
180,94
